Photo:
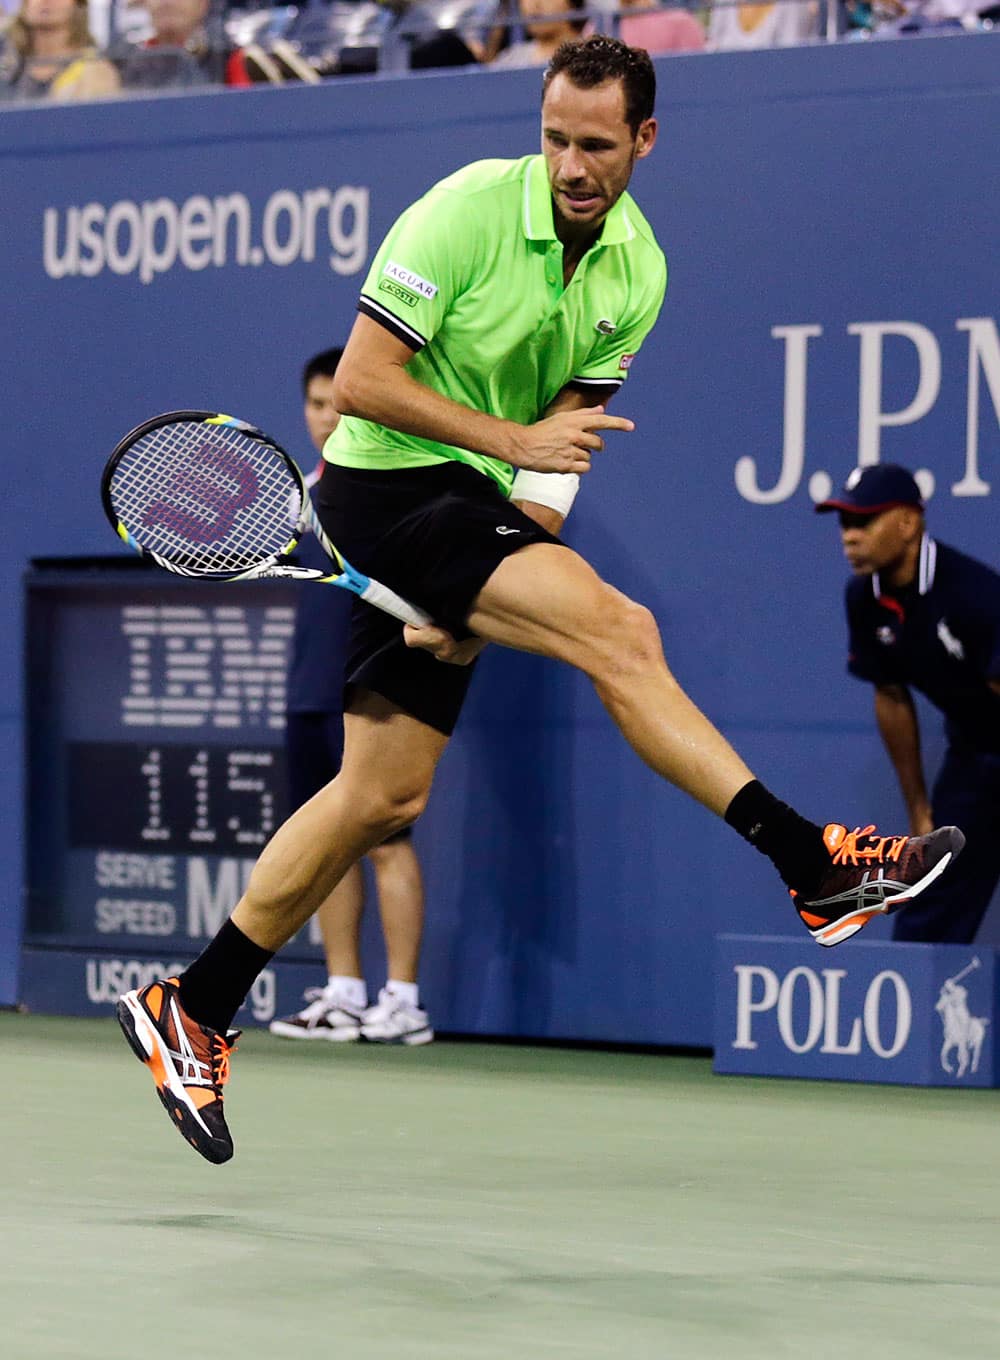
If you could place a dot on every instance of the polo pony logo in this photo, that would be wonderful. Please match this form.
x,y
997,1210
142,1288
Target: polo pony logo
x,y
963,1032
950,642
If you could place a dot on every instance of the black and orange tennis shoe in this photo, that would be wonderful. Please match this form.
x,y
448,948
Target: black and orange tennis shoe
x,y
872,875
189,1063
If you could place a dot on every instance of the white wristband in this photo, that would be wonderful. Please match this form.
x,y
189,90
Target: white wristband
x,y
557,490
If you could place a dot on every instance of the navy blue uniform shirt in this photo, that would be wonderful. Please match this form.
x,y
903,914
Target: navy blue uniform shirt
x,y
941,636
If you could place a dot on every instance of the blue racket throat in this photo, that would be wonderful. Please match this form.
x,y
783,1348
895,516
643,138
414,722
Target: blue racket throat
x,y
374,593
348,579
351,579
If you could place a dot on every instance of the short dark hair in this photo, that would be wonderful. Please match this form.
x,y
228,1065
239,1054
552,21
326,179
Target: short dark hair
x,y
322,365
594,60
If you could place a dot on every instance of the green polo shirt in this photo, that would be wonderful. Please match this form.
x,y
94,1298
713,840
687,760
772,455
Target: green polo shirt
x,y
471,278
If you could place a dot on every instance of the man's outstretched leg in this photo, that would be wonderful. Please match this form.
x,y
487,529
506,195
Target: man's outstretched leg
x,y
547,599
180,1027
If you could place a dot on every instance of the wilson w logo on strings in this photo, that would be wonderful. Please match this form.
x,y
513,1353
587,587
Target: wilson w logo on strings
x,y
201,504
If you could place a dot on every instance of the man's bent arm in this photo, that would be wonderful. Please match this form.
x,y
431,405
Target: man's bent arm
x,y
896,716
440,643
569,399
372,383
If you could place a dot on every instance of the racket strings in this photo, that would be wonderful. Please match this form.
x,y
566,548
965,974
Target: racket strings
x,y
208,498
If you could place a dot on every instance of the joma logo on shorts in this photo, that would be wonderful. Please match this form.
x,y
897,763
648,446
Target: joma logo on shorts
x,y
410,280
397,291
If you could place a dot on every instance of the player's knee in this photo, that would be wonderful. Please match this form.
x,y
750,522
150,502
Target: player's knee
x,y
403,812
393,808
630,636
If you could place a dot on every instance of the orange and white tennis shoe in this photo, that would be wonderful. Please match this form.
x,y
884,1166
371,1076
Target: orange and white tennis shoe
x,y
872,875
189,1063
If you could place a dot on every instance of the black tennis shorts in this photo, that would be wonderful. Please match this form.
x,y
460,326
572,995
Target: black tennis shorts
x,y
435,535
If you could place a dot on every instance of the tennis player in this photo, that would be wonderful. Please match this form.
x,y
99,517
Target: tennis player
x,y
314,747
500,314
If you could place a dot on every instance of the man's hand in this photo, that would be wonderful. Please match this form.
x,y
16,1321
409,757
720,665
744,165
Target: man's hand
x,y
563,442
441,645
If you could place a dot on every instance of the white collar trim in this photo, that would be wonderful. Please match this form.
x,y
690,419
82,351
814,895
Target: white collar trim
x,y
926,568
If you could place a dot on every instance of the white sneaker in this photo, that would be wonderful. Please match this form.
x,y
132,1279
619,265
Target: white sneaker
x,y
326,1016
393,1021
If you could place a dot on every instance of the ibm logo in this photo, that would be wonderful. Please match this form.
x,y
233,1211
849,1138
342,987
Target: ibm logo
x,y
195,667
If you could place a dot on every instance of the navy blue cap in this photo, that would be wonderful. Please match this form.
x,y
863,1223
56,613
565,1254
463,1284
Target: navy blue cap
x,y
870,490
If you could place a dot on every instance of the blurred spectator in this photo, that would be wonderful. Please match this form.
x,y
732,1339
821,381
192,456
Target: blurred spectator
x,y
490,39
863,17
453,32
548,24
784,23
48,53
324,39
903,18
181,52
445,48
98,20
660,30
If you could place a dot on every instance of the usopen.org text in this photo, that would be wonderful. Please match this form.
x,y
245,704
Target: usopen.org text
x,y
159,234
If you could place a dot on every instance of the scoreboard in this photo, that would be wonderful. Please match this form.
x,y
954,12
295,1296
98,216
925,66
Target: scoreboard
x,y
156,768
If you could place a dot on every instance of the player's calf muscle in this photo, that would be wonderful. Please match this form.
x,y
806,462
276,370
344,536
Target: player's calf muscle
x,y
310,853
292,878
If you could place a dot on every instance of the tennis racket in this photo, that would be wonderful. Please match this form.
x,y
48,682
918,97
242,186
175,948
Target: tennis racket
x,y
202,494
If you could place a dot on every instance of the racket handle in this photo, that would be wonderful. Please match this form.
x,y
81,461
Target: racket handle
x,y
384,598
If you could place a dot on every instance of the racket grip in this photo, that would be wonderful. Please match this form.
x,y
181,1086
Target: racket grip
x,y
384,598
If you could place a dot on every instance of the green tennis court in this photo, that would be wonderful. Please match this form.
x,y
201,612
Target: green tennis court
x,y
477,1201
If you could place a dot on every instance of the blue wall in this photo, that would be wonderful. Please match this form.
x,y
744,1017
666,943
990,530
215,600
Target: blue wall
x,y
571,894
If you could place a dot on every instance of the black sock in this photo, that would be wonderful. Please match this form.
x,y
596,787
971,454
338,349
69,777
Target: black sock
x,y
794,845
213,989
